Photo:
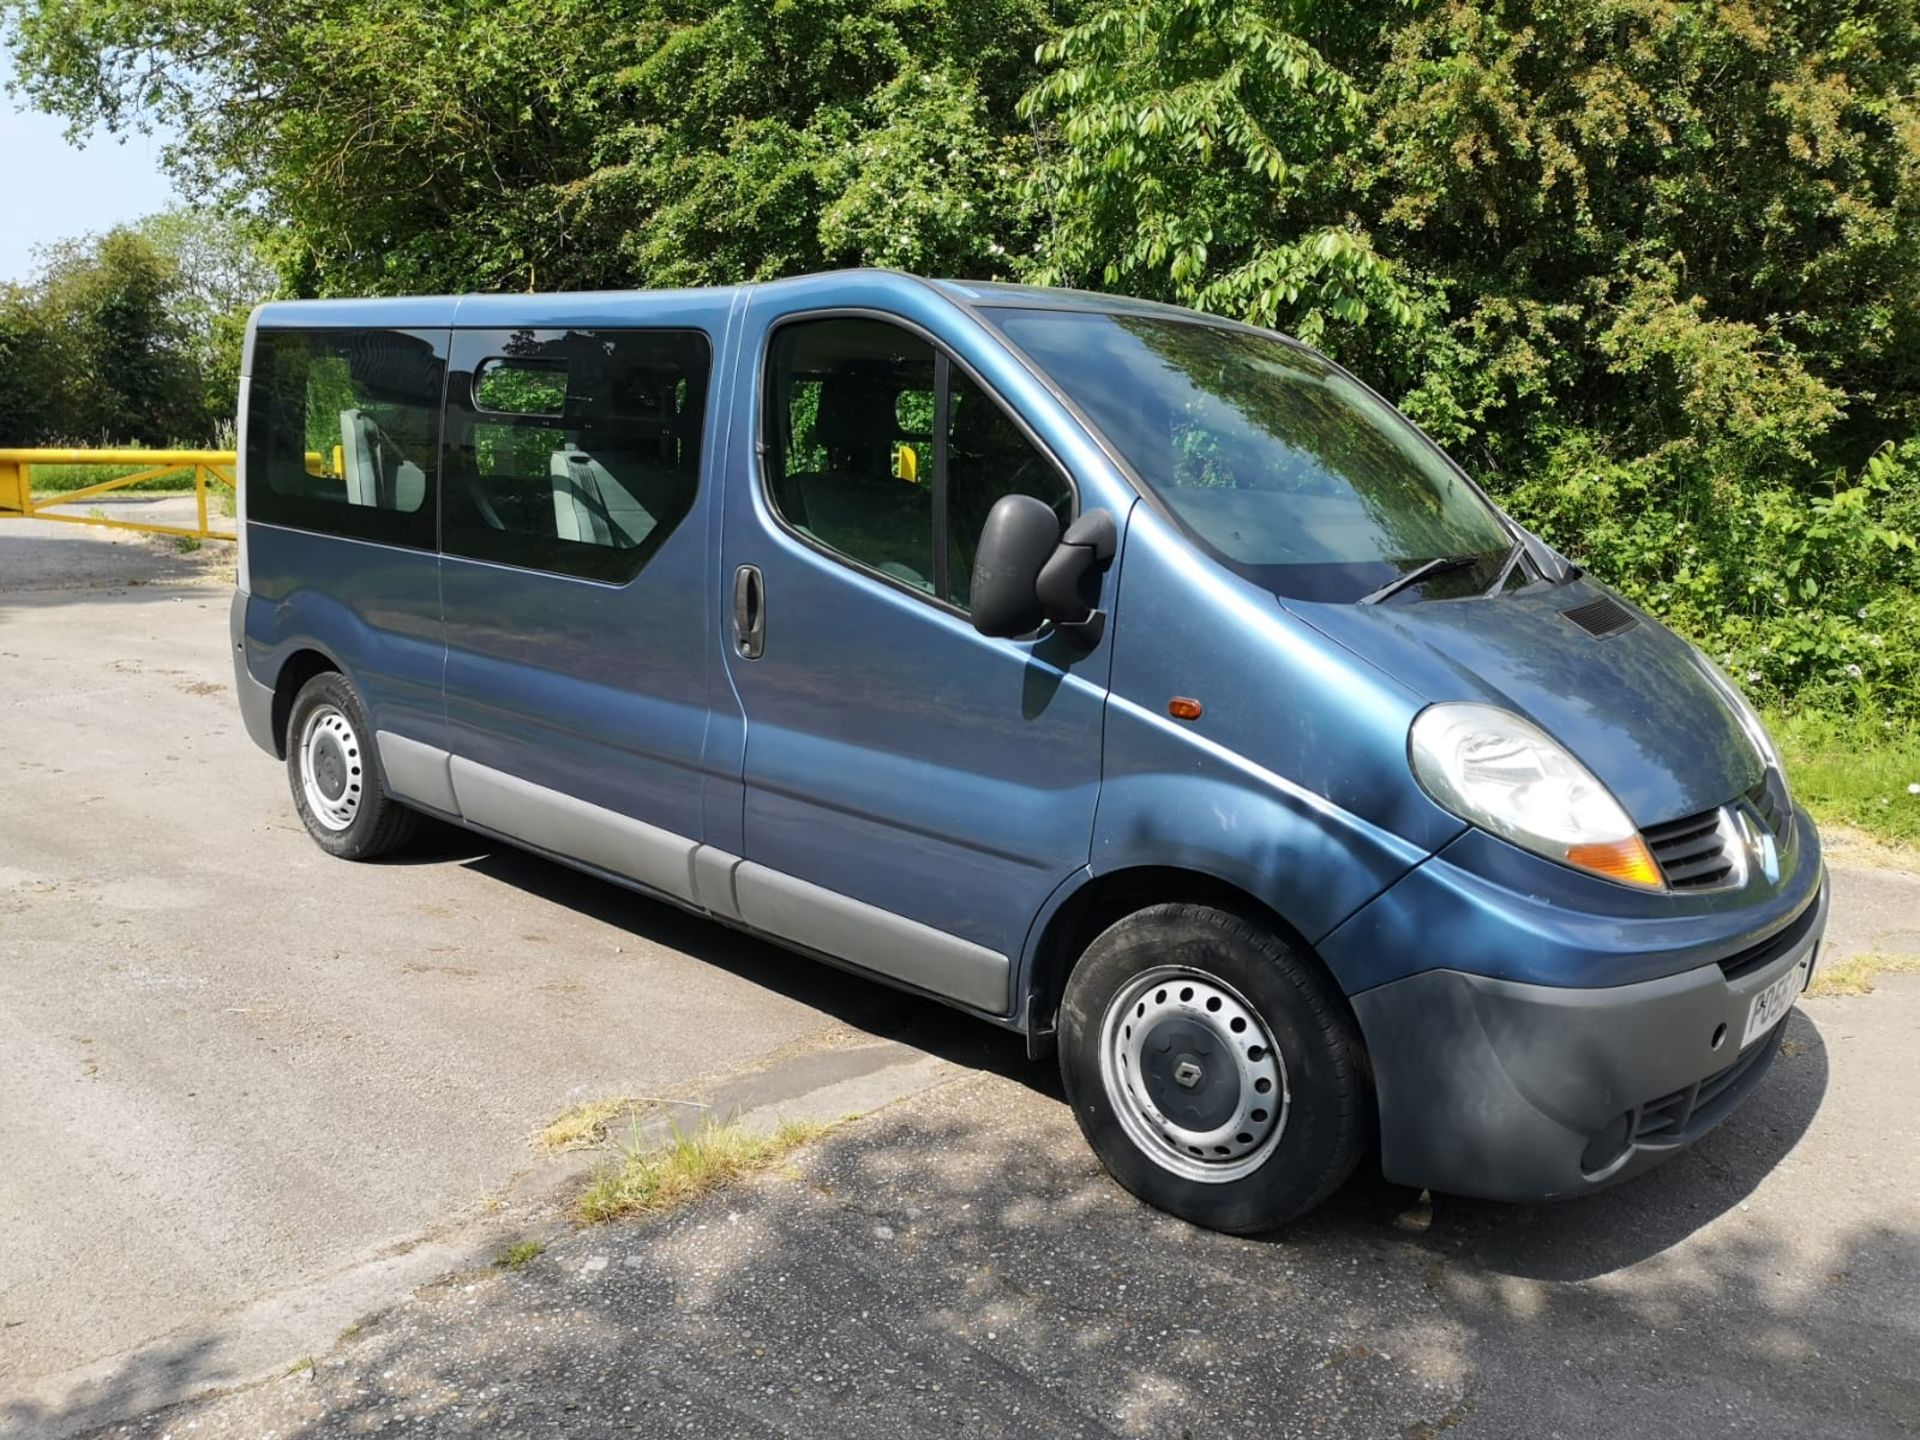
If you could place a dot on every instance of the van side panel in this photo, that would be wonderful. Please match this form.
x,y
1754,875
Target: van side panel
x,y
897,762
1284,786
593,691
374,610
330,581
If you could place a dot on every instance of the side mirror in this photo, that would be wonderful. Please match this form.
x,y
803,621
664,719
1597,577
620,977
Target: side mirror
x,y
1016,543
1025,572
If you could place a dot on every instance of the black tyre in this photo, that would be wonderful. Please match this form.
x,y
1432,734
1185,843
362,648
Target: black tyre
x,y
1215,1072
335,774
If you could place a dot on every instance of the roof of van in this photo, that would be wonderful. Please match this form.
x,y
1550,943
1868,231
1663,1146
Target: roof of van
x,y
589,308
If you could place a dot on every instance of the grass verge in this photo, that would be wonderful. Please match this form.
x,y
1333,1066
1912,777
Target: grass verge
x,y
688,1166
59,479
1854,975
1856,772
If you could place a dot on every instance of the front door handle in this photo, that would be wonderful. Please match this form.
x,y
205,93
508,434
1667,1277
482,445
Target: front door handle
x,y
749,612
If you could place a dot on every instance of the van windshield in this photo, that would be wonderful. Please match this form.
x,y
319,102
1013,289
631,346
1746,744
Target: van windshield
x,y
1272,459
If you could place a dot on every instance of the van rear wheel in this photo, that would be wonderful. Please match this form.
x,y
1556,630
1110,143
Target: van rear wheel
x,y
335,774
1214,1071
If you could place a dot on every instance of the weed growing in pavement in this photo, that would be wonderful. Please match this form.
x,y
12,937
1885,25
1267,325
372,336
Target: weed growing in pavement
x,y
521,1252
587,1123
688,1166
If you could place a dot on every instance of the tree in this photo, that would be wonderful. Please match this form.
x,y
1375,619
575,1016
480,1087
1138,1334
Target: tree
x,y
1651,270
96,351
405,146
221,274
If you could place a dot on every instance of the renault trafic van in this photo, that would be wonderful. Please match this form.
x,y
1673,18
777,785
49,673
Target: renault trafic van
x,y
1129,678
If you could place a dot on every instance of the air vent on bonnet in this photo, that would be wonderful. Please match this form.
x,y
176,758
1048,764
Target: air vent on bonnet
x,y
1603,617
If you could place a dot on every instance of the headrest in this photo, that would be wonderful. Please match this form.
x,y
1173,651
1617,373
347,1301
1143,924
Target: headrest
x,y
855,413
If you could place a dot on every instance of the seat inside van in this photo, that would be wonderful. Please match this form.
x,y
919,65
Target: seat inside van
x,y
856,504
611,465
590,505
377,473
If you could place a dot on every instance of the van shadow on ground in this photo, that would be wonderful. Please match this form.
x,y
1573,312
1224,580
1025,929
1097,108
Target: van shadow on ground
x,y
856,1000
959,1266
1568,1240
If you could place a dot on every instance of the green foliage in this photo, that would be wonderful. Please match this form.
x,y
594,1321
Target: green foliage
x,y
409,146
221,274
757,140
94,350
1855,770
57,479
132,337
1203,159
1649,269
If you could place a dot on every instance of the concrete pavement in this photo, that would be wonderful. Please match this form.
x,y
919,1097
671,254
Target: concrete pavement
x,y
959,1266
231,1068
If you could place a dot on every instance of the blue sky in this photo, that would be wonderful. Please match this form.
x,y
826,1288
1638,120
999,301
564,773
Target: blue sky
x,y
54,190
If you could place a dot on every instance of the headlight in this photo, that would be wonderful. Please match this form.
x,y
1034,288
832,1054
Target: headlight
x,y
1507,775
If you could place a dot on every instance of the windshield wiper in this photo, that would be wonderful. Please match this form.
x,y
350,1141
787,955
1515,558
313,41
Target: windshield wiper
x,y
1425,571
1506,567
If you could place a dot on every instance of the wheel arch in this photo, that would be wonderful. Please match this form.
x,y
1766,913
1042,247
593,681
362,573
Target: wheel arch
x,y
1101,900
295,671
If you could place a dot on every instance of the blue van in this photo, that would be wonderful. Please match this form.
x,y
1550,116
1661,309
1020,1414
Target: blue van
x,y
1123,676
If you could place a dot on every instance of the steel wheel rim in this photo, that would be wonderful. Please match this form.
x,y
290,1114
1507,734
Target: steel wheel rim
x,y
1163,1026
332,770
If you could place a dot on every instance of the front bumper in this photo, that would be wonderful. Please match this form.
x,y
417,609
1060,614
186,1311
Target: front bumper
x,y
1515,1091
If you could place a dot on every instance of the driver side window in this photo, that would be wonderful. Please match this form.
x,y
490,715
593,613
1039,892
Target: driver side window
x,y
884,453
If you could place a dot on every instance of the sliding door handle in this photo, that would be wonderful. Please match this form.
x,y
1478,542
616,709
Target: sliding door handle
x,y
749,612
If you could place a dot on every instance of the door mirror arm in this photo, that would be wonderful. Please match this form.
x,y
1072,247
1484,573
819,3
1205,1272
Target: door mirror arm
x,y
1069,583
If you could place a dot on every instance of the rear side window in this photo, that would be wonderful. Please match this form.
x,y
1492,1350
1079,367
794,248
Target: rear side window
x,y
342,432
572,451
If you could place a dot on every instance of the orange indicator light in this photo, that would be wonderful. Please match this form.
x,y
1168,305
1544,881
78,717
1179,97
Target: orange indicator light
x,y
1628,861
1183,707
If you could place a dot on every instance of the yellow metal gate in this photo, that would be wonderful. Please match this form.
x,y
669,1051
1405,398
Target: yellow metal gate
x,y
206,467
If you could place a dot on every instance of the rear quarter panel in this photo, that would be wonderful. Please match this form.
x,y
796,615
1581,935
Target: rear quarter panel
x,y
374,610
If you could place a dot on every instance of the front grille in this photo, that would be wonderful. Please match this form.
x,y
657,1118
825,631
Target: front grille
x,y
1692,852
1603,617
1690,1112
1697,851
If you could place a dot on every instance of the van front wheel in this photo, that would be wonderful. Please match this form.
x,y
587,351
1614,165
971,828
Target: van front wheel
x,y
335,774
1214,1071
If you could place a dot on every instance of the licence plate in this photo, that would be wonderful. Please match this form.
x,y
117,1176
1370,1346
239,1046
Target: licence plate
x,y
1774,1001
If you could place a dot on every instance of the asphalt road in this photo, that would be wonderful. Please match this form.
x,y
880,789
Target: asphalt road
x,y
249,1095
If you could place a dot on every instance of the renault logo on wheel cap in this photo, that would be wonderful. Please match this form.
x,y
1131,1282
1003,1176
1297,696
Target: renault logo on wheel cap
x,y
1187,1074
